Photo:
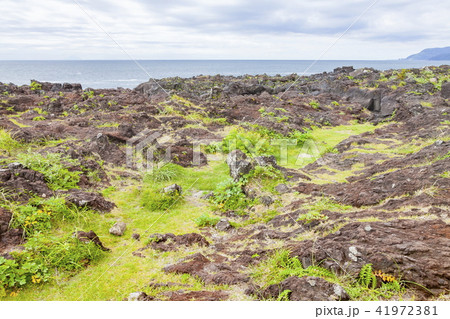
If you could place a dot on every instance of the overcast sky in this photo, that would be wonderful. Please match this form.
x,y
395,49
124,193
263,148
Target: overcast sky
x,y
221,29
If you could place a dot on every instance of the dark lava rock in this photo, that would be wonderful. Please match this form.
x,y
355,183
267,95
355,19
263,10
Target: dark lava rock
x,y
22,181
109,152
224,225
90,236
239,164
266,200
8,237
418,251
92,200
282,188
266,161
307,289
181,295
209,272
445,90
171,242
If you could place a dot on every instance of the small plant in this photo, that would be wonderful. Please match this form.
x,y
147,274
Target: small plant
x,y
88,95
39,118
213,148
7,143
366,277
314,104
335,103
42,256
300,137
445,174
206,220
35,86
229,196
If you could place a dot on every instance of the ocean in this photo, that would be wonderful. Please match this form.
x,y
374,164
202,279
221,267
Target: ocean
x,y
126,74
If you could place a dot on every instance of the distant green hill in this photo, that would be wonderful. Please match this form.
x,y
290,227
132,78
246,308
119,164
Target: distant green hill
x,y
433,54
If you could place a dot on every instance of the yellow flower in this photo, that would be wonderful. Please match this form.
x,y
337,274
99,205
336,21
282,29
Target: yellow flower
x,y
35,279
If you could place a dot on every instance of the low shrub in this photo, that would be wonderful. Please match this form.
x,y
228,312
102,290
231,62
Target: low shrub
x,y
229,196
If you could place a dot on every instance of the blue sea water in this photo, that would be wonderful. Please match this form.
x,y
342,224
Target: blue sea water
x,y
126,74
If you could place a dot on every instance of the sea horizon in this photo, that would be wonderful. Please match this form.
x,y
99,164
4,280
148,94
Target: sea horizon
x,y
106,74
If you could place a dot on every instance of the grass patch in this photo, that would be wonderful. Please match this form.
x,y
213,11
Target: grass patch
x,y
206,220
108,124
54,167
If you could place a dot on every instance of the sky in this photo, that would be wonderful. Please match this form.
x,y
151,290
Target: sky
x,y
221,29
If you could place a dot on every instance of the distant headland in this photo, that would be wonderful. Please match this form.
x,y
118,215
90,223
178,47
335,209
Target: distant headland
x,y
432,54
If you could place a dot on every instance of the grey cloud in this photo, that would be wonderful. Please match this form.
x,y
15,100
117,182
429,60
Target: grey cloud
x,y
195,24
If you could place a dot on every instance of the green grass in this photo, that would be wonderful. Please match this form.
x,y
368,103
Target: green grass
x,y
7,144
323,140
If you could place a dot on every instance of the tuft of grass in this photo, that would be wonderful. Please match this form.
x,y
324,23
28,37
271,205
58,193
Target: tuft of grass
x,y
7,143
163,173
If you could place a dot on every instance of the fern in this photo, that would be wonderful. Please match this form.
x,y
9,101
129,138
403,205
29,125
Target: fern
x,y
316,271
366,277
284,296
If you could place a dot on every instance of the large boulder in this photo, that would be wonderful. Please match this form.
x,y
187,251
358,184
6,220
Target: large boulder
x,y
239,164
91,200
307,289
90,236
118,229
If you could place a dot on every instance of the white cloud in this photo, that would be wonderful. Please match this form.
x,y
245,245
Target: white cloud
x,y
221,29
